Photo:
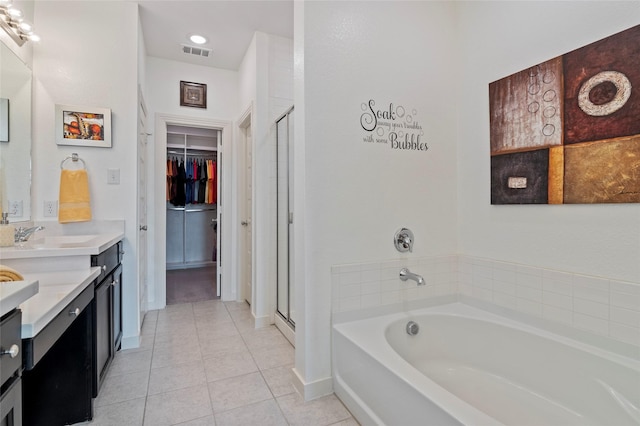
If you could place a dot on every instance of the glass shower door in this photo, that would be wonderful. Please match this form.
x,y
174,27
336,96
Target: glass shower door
x,y
284,153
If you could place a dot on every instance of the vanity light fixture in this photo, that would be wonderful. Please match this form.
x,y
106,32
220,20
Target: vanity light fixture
x,y
11,21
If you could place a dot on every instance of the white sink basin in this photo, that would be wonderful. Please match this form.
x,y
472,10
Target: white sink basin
x,y
62,241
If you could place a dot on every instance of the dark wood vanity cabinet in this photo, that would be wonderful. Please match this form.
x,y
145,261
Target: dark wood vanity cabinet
x,y
10,369
57,380
107,312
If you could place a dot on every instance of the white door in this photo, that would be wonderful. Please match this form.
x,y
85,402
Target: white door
x,y
247,221
218,223
142,206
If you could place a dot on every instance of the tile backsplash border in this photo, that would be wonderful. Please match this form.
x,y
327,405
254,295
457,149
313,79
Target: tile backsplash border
x,y
600,306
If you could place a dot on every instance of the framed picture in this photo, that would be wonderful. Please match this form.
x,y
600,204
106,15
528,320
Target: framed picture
x,y
193,94
83,126
4,120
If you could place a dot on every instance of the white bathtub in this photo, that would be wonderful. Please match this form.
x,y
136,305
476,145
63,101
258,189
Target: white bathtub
x,y
467,366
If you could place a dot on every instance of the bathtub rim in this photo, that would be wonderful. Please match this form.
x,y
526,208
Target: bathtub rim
x,y
393,362
476,313
590,338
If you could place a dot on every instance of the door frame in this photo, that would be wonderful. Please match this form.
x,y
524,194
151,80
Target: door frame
x,y
245,121
158,240
142,253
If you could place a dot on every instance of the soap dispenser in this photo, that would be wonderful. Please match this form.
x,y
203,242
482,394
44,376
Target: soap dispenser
x,y
7,231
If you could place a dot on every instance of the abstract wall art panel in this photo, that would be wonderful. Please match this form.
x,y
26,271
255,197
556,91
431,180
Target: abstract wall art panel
x,y
526,109
603,172
569,127
520,178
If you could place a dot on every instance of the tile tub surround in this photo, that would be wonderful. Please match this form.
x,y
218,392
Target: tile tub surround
x,y
367,286
595,305
204,363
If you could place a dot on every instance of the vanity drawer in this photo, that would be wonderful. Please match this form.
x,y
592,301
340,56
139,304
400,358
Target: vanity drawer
x,y
107,260
35,348
9,336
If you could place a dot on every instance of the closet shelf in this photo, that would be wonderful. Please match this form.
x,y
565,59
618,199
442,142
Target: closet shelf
x,y
192,147
182,209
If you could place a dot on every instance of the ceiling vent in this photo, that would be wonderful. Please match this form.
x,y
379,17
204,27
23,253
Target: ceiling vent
x,y
198,51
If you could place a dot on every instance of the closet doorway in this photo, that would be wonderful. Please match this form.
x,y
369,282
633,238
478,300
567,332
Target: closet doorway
x,y
192,214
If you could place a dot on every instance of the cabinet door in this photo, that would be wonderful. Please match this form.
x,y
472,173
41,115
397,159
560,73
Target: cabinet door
x,y
103,329
117,308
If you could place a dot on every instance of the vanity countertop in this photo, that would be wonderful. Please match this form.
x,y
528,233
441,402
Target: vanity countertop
x,y
62,245
57,290
14,293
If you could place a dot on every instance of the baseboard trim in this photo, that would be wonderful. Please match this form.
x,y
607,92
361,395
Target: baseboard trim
x,y
312,390
262,321
130,342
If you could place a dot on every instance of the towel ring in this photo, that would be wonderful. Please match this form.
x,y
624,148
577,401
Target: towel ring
x,y
74,157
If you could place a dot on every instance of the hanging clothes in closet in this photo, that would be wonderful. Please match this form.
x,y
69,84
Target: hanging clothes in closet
x,y
192,181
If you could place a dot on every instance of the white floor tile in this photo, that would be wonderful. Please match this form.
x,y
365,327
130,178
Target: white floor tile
x,y
229,364
279,380
265,413
228,394
319,412
177,406
205,364
123,387
176,377
128,413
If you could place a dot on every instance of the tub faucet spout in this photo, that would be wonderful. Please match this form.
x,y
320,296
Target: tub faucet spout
x,y
406,274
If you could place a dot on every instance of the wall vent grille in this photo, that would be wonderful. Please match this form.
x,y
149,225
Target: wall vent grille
x,y
198,51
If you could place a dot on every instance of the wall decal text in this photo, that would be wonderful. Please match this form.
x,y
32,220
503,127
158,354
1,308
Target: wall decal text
x,y
393,125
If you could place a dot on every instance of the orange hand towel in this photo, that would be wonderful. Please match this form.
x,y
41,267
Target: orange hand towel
x,y
74,197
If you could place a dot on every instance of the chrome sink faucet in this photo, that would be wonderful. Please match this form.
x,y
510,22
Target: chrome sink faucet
x,y
406,274
22,234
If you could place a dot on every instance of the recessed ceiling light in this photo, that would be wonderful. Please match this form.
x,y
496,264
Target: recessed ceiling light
x,y
198,39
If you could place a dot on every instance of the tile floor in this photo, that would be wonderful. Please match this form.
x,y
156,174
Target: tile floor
x,y
203,364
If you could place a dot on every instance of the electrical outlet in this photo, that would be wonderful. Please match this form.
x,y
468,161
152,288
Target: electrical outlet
x,y
50,209
15,208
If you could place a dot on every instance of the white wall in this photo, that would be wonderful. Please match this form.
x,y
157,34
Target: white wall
x,y
266,83
91,62
357,194
496,40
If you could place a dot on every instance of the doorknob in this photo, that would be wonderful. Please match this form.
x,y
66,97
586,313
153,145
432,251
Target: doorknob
x,y
244,223
143,227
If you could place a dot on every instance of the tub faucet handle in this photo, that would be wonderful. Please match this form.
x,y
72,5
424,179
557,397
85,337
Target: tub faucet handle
x,y
403,240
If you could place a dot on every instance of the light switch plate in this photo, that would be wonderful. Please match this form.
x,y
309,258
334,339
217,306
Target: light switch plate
x,y
15,208
113,176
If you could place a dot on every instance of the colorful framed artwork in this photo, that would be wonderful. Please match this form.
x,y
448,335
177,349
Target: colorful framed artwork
x,y
567,131
83,126
193,94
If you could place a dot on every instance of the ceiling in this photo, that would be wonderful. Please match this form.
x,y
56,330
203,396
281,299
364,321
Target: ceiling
x,y
227,24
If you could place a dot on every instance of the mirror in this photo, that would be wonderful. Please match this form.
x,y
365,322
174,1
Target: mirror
x,y
15,136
